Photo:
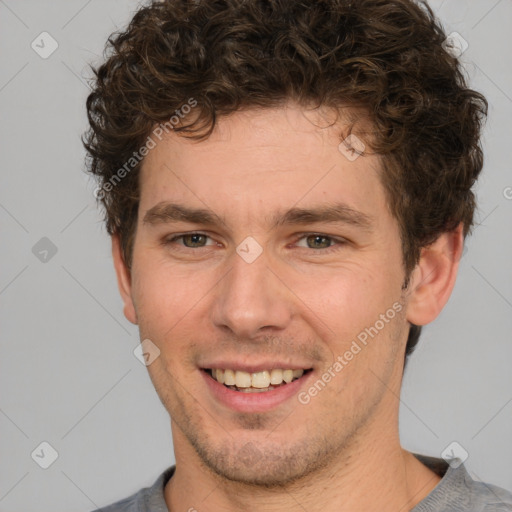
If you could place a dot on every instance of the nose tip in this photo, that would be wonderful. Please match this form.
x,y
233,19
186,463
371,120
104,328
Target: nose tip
x,y
250,299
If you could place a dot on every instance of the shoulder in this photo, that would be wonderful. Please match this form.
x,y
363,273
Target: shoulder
x,y
458,492
148,499
491,498
482,496
130,504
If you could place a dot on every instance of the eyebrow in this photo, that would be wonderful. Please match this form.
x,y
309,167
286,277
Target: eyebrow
x,y
168,212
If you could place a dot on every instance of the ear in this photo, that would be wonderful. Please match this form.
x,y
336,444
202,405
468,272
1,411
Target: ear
x,y
434,277
123,280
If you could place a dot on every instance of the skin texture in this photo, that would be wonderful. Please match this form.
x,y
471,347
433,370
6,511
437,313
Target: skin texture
x,y
297,302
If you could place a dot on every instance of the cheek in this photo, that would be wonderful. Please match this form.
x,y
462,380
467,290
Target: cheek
x,y
355,311
162,286
345,297
170,304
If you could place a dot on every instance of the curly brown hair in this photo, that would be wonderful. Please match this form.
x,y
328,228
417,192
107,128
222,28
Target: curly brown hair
x,y
382,57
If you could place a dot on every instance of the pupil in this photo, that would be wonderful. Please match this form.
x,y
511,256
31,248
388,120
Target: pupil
x,y
318,237
194,238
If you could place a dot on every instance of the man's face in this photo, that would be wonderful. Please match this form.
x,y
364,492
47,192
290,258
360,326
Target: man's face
x,y
207,302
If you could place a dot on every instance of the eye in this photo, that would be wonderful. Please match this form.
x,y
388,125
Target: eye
x,y
316,241
322,242
190,240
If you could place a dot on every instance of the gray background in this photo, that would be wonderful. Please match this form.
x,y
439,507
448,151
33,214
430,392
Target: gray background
x,y
68,373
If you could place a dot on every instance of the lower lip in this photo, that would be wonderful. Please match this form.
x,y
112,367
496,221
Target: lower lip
x,y
254,402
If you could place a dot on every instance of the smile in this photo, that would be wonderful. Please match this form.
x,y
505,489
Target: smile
x,y
258,382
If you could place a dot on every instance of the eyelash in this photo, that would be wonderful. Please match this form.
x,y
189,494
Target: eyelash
x,y
340,242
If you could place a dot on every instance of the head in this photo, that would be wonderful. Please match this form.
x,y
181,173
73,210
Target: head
x,y
245,109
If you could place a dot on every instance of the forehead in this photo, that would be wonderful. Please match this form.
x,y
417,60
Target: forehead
x,y
259,160
276,131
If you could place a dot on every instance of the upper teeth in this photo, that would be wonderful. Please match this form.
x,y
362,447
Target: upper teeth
x,y
256,380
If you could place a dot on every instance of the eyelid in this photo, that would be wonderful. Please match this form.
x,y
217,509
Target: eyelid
x,y
172,238
340,241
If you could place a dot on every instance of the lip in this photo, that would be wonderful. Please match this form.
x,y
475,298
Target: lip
x,y
254,402
253,368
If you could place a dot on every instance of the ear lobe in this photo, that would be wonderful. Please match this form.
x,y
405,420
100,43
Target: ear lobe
x,y
123,280
434,277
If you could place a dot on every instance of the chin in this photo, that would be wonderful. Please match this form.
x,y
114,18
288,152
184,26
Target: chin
x,y
269,467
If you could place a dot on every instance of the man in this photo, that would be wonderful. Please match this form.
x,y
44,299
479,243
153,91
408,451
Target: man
x,y
288,188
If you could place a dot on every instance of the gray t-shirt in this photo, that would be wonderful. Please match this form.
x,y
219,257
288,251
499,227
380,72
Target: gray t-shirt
x,y
456,492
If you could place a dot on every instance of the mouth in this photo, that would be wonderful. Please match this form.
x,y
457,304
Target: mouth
x,y
258,382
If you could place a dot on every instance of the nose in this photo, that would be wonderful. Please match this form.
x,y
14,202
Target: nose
x,y
252,298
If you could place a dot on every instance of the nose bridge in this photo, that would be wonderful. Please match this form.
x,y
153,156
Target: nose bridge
x,y
250,297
